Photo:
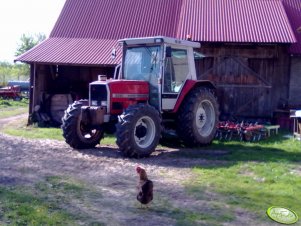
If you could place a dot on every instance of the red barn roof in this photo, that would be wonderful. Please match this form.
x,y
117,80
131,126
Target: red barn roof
x,y
86,31
78,51
263,21
293,10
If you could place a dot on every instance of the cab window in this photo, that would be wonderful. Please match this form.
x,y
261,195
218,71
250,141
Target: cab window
x,y
176,71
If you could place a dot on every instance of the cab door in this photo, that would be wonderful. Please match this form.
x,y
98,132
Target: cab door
x,y
176,72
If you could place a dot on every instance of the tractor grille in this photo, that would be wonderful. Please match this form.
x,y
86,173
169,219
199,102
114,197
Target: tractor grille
x,y
98,94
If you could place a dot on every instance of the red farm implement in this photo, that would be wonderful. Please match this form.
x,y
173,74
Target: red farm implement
x,y
10,92
227,130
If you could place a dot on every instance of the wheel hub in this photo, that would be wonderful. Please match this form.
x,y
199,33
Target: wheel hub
x,y
205,118
201,114
144,132
141,131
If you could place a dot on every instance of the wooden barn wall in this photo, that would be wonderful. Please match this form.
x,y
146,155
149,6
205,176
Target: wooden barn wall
x,y
252,81
295,83
61,79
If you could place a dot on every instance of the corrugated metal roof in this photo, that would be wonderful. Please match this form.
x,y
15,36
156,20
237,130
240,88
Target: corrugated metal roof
x,y
115,19
79,51
259,21
293,10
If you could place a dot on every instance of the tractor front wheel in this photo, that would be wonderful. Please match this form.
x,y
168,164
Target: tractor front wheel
x,y
76,133
138,130
198,118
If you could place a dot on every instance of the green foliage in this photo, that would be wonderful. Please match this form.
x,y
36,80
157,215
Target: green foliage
x,y
13,103
28,41
19,71
10,72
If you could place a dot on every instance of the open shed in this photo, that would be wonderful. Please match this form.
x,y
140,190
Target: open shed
x,y
246,46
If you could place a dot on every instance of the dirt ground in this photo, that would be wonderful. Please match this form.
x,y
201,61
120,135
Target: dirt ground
x,y
113,180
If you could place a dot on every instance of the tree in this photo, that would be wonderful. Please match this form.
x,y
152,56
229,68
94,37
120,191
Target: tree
x,y
28,41
10,72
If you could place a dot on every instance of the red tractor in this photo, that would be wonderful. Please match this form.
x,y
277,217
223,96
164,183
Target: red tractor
x,y
155,91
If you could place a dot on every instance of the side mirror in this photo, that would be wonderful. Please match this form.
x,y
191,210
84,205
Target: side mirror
x,y
168,51
113,54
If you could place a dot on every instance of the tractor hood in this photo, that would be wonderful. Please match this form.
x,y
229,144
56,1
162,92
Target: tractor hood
x,y
117,95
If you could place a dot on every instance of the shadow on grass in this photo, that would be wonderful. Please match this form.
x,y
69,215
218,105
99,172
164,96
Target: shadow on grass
x,y
273,149
218,154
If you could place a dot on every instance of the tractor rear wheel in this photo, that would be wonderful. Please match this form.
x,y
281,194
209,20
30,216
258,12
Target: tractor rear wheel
x,y
198,118
76,133
138,130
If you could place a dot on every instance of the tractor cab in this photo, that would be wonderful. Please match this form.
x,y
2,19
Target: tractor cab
x,y
165,63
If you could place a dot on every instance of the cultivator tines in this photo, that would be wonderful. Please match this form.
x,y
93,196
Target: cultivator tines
x,y
228,130
253,132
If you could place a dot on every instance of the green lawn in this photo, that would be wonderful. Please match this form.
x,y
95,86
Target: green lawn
x,y
238,175
20,128
44,203
11,108
253,176
22,208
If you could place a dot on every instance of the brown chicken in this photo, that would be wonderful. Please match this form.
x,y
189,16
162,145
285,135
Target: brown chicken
x,y
145,187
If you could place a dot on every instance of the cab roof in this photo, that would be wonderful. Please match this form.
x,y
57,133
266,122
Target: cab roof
x,y
159,40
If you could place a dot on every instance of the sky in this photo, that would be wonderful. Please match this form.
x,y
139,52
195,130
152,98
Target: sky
x,y
19,17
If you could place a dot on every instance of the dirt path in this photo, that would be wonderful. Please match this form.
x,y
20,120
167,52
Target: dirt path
x,y
4,121
110,182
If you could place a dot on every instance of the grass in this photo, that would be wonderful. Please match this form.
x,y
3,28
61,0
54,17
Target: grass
x,y
11,108
20,128
204,215
252,176
12,103
62,185
252,186
48,202
241,176
18,207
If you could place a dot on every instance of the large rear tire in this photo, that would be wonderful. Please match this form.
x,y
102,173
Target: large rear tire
x,y
198,118
77,134
138,130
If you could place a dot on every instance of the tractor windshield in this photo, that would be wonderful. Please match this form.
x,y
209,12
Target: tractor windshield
x,y
142,63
